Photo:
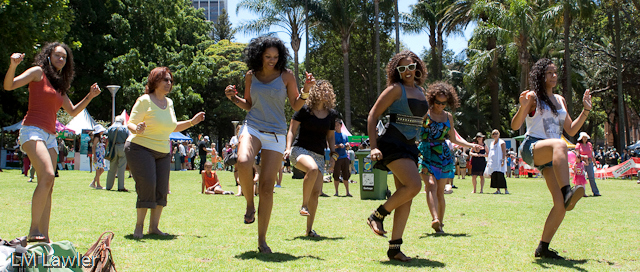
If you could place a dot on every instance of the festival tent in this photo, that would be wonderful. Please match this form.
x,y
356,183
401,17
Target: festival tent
x,y
82,121
627,168
177,136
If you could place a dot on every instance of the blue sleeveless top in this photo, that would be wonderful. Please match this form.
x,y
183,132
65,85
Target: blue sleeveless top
x,y
267,106
401,106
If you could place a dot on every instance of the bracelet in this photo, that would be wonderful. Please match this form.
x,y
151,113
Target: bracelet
x,y
586,110
190,123
304,96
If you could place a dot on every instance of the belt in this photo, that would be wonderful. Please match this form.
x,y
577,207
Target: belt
x,y
273,133
402,119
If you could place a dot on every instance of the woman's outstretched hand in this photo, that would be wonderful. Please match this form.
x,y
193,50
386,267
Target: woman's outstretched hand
x,y
586,100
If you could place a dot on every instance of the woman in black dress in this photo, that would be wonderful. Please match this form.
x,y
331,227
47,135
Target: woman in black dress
x,y
478,163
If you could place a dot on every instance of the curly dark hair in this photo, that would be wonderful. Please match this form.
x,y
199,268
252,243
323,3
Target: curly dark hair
x,y
61,81
537,81
252,54
442,88
393,75
155,76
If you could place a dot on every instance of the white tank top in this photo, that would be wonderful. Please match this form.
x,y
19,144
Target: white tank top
x,y
544,124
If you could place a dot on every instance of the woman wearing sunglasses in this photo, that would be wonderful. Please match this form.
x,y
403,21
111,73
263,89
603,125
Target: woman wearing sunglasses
x,y
437,164
396,150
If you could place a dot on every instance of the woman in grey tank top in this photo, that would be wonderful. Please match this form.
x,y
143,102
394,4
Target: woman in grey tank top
x,y
542,106
267,85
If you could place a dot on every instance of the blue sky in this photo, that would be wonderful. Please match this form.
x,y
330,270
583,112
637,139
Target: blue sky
x,y
416,43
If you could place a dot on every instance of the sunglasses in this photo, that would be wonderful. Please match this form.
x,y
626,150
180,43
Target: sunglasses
x,y
441,103
402,69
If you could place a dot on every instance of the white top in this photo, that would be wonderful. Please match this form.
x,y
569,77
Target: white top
x,y
494,161
544,124
234,140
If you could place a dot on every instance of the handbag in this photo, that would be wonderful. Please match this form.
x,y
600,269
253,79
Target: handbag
x,y
111,153
231,158
100,251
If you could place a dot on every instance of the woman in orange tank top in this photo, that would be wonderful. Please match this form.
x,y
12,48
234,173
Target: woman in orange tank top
x,y
48,82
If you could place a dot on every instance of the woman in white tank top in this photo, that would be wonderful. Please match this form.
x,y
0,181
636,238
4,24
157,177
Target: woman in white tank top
x,y
546,118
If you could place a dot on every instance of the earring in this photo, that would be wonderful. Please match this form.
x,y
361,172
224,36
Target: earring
x,y
416,74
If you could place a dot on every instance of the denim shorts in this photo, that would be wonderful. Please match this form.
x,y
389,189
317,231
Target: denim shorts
x,y
33,133
269,140
297,151
526,151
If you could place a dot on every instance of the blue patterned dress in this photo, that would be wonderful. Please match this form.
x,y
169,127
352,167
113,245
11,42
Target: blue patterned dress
x,y
436,155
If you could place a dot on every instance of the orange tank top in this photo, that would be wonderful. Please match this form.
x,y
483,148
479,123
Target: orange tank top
x,y
44,103
210,180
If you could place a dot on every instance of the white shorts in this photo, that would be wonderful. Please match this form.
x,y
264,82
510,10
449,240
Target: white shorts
x,y
32,133
269,140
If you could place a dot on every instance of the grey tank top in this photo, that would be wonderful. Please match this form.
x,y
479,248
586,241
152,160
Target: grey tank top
x,y
267,106
411,107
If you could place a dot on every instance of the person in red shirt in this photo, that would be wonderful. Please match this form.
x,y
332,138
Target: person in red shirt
x,y
48,81
210,182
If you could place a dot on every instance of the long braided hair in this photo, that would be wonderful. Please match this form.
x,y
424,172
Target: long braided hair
x,y
537,81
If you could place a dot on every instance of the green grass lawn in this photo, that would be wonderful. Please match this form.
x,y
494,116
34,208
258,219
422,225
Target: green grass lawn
x,y
485,232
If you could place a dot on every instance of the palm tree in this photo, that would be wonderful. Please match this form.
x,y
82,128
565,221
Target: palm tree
x,y
340,16
376,4
286,14
569,10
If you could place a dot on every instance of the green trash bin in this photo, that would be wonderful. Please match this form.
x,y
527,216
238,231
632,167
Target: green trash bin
x,y
373,182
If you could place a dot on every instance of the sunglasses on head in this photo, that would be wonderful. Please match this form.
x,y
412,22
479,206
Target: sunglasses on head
x,y
402,69
438,102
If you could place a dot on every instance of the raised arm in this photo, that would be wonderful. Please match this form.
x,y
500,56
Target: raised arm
x,y
72,109
572,127
182,125
527,102
12,82
296,99
232,93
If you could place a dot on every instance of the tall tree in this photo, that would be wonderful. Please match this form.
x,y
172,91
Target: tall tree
x,y
286,14
340,16
222,29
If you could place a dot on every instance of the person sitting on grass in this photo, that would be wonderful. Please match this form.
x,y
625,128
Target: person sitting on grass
x,y
211,183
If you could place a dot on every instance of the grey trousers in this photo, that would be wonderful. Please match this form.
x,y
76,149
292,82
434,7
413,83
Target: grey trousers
x,y
592,179
150,170
117,166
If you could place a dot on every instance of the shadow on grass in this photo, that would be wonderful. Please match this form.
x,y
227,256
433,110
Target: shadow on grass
x,y
415,262
152,237
550,263
446,234
321,238
273,257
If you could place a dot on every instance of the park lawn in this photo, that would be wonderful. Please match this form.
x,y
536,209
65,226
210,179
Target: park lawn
x,y
485,232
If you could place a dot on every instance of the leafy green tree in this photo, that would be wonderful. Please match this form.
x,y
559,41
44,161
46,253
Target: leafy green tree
x,y
222,29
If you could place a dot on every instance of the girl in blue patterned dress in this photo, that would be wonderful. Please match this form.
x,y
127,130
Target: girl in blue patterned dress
x,y
437,162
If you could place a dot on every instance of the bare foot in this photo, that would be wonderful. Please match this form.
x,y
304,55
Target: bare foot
x,y
137,233
157,231
401,257
264,248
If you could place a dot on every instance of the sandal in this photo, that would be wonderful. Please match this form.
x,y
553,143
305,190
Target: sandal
x,y
375,222
394,252
250,217
435,224
304,211
37,238
313,234
401,257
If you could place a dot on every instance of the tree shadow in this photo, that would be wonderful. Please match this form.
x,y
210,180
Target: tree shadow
x,y
273,257
446,234
415,262
151,237
321,238
549,263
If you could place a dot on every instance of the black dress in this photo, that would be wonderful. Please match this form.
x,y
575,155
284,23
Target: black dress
x,y
478,163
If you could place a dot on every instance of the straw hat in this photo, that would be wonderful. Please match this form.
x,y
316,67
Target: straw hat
x,y
583,134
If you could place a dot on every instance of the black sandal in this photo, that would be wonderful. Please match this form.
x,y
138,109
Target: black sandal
x,y
375,222
394,252
265,250
250,217
313,234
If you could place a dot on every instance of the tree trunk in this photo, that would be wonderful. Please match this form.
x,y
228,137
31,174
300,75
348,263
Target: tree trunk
x,y
295,45
433,66
306,32
622,112
347,95
567,91
377,23
397,28
494,87
440,47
